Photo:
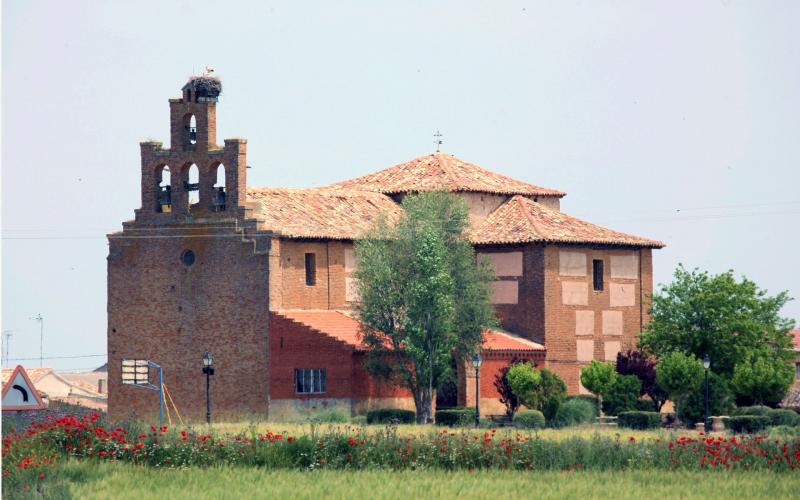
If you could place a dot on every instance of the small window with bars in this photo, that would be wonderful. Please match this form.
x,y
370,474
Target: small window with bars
x,y
597,275
309,380
311,269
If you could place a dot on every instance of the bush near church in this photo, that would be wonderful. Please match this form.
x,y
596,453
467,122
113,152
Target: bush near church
x,y
529,419
623,395
639,419
390,416
574,411
455,417
748,424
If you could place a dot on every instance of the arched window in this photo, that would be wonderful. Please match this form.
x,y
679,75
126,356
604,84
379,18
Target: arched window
x,y
219,189
163,190
193,185
192,130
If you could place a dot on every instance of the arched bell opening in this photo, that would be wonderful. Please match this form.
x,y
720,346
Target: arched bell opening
x,y
192,186
220,193
163,190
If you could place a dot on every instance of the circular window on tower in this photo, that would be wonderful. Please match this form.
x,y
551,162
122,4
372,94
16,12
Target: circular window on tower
x,y
187,258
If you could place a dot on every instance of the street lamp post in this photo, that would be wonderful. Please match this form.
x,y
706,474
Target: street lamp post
x,y
707,421
208,369
476,363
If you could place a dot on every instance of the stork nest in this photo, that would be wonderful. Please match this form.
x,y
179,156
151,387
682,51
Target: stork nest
x,y
206,86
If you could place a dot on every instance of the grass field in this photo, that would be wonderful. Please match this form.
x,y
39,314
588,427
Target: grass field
x,y
122,481
296,429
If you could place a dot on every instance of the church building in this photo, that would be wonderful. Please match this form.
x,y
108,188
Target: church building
x,y
261,278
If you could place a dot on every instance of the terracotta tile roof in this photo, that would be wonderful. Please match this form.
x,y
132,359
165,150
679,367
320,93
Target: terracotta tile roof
x,y
521,220
795,339
442,172
335,324
35,374
499,340
345,328
319,213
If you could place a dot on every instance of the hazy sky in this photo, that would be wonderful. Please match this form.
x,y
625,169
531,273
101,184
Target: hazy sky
x,y
673,120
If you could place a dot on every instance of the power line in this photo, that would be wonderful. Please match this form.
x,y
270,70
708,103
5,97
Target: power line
x,y
60,357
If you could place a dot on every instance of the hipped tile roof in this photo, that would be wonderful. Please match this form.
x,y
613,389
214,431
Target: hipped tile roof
x,y
795,339
522,220
343,327
319,213
442,172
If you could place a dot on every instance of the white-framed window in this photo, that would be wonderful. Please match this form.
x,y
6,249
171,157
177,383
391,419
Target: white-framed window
x,y
309,380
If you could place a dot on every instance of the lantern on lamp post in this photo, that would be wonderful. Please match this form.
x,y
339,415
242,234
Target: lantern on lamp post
x,y
208,369
476,363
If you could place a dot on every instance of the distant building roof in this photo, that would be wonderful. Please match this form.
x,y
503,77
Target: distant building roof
x,y
35,374
319,212
442,172
795,339
521,220
345,328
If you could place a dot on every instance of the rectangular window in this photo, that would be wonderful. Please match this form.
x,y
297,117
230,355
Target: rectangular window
x,y
597,275
797,370
311,269
309,380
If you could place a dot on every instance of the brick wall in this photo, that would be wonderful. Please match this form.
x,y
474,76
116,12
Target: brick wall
x,y
160,309
329,291
583,324
294,345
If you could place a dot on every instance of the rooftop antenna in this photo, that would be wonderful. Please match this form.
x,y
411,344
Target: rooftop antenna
x,y
40,319
437,140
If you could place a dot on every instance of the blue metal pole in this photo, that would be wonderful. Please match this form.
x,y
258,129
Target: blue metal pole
x,y
161,395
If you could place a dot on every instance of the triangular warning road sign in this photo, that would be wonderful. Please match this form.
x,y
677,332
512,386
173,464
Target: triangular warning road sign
x,y
20,394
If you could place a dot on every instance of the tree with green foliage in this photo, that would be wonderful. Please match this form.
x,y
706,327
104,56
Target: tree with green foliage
x,y
679,375
623,395
643,366
540,390
728,319
762,380
423,299
720,400
598,378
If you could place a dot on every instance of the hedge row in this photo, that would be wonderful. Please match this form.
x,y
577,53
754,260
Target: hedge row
x,y
639,419
454,417
390,416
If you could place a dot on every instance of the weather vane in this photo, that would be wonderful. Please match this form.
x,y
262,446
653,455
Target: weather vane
x,y
437,140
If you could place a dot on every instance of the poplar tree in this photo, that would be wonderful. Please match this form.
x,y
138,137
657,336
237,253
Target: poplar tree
x,y
423,296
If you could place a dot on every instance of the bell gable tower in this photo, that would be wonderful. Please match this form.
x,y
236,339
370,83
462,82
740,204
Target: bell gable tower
x,y
195,178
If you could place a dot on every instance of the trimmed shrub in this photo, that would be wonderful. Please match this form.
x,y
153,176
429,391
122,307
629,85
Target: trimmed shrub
x,y
574,412
329,417
390,416
455,417
752,410
359,420
748,424
639,419
529,419
623,395
783,417
646,405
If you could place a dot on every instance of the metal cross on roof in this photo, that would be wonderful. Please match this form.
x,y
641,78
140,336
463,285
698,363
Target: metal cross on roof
x,y
437,140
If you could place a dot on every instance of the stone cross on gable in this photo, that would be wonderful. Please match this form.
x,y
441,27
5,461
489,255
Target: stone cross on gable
x,y
437,140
